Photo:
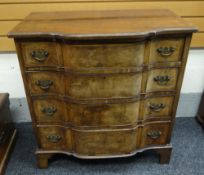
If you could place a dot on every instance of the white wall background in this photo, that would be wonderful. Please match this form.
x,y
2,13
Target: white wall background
x,y
193,85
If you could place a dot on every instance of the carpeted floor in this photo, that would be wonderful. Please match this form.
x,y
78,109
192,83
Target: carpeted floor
x,y
187,157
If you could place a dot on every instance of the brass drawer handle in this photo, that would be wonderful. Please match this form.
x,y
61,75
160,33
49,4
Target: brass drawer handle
x,y
162,80
49,111
2,137
154,134
44,84
54,138
166,51
157,107
39,55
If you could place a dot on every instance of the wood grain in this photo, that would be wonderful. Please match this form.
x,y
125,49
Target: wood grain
x,y
170,85
80,28
90,56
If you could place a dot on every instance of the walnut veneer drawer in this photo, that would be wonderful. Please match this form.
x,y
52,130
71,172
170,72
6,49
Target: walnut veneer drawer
x,y
55,138
101,86
103,55
54,111
166,50
50,110
158,107
89,142
104,86
104,115
162,79
101,142
45,54
41,54
46,83
155,134
85,86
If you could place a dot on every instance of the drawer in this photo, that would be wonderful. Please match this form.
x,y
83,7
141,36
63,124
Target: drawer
x,y
162,80
49,110
106,86
104,55
45,83
105,142
155,134
41,54
158,107
103,115
52,138
53,111
88,142
166,50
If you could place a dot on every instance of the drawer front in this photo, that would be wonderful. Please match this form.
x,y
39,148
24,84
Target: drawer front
x,y
162,80
103,115
41,54
52,138
166,50
101,143
120,85
45,83
53,111
155,134
109,55
158,107
49,110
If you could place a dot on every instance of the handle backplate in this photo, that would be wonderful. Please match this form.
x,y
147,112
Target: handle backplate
x,y
49,111
162,80
54,138
154,134
166,51
44,84
39,55
157,107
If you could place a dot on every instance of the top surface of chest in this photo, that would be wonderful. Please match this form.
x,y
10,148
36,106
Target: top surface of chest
x,y
101,24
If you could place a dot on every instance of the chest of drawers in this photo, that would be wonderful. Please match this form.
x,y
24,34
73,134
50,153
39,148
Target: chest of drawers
x,y
102,83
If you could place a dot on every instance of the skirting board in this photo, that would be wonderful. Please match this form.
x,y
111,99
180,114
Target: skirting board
x,y
188,106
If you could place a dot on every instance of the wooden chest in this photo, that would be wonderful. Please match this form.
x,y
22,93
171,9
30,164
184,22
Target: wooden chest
x,y
102,83
7,131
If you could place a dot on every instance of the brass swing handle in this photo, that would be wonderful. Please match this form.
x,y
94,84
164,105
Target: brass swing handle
x,y
166,51
162,80
49,111
39,55
44,84
154,134
54,138
157,107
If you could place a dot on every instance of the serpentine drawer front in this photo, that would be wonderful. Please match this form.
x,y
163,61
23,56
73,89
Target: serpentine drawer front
x,y
102,84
